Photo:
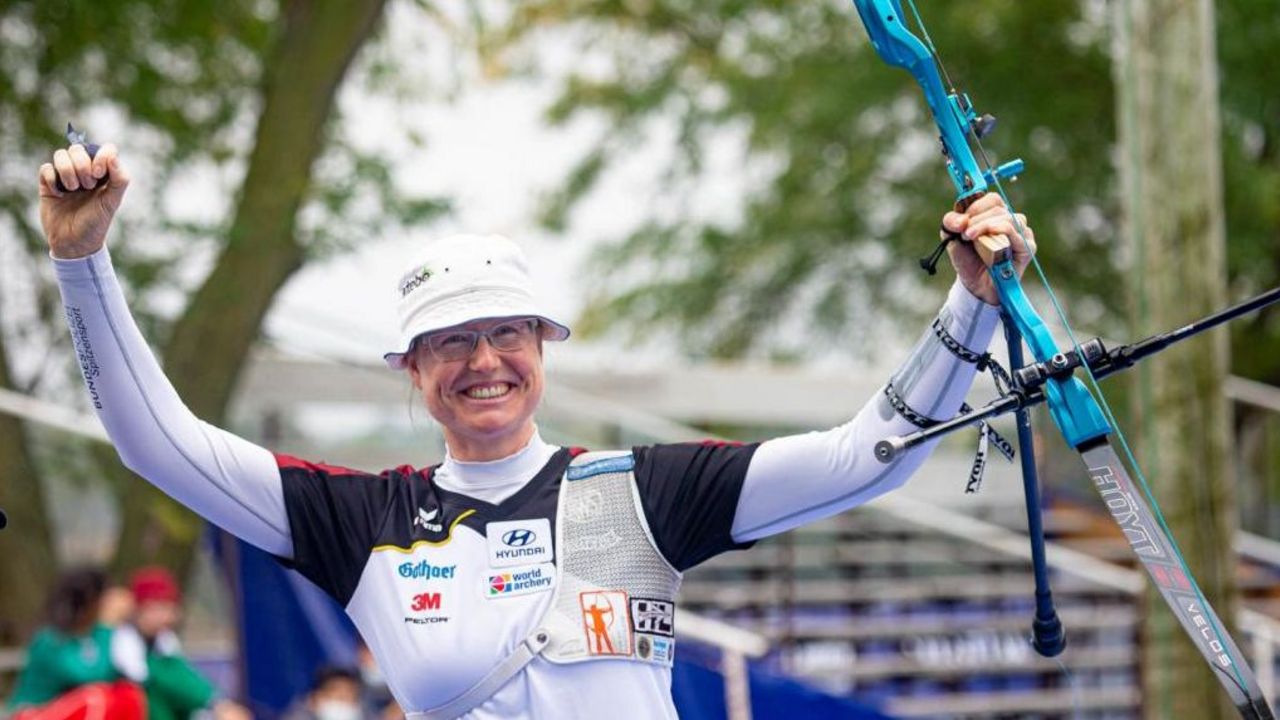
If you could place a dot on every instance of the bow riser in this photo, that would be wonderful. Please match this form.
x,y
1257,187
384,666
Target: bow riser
x,y
1073,409
952,112
897,46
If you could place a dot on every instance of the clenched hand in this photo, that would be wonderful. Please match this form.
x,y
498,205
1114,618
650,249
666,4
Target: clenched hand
x,y
75,222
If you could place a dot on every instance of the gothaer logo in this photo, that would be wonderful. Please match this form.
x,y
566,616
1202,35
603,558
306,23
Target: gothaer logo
x,y
415,282
427,520
518,538
423,570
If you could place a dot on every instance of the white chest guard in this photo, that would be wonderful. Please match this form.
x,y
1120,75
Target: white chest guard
x,y
615,594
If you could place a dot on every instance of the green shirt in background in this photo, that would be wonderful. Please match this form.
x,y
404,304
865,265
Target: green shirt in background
x,y
175,689
57,663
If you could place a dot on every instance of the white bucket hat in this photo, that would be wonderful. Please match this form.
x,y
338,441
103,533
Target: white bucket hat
x,y
463,278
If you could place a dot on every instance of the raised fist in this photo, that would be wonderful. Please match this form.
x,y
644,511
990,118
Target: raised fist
x,y
75,221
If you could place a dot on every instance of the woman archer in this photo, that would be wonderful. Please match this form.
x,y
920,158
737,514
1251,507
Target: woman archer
x,y
516,579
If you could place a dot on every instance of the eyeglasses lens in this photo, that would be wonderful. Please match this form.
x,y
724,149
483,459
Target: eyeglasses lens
x,y
459,344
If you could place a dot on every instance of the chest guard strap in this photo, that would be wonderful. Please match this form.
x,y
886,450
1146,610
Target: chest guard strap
x,y
524,654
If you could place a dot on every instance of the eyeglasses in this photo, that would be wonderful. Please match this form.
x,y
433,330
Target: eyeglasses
x,y
455,345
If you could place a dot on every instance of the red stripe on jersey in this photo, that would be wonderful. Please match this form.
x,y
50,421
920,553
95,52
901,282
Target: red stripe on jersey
x,y
720,443
289,461
407,471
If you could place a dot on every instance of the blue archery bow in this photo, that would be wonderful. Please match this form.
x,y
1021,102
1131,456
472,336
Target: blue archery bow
x,y
1086,424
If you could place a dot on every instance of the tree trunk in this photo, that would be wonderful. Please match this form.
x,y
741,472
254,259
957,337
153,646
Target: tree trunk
x,y
27,559
1171,168
203,358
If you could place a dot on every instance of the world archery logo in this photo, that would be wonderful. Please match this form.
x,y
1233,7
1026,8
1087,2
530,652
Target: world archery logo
x,y
499,584
518,538
519,582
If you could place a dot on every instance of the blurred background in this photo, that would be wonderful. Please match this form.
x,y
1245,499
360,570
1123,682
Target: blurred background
x,y
727,200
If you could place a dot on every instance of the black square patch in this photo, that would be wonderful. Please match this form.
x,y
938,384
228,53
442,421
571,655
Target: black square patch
x,y
655,617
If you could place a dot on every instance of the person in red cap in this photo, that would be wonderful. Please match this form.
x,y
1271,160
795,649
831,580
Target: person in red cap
x,y
146,650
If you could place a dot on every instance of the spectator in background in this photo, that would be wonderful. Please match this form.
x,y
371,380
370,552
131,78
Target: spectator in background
x,y
335,695
146,649
375,695
69,673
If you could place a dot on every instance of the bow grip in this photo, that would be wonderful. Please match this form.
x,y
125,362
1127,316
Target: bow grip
x,y
993,249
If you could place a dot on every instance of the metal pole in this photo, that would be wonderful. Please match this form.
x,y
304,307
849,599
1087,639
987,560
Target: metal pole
x,y
737,685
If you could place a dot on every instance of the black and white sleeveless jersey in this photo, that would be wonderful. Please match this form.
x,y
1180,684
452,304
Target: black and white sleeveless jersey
x,y
444,570
421,568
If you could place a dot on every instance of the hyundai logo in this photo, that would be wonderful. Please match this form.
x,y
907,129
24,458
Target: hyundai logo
x,y
518,538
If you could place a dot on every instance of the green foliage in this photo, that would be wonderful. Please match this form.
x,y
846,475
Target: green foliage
x,y
169,67
183,79
356,198
854,189
1248,34
186,89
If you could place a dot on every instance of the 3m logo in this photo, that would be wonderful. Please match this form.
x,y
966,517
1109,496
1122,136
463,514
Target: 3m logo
x,y
425,601
518,538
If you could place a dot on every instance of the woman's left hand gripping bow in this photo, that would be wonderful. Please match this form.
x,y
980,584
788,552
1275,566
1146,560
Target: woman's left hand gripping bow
x,y
988,215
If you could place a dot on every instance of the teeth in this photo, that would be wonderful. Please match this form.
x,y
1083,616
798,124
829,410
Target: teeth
x,y
485,392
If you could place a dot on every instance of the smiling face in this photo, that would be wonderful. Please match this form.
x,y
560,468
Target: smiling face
x,y
486,401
